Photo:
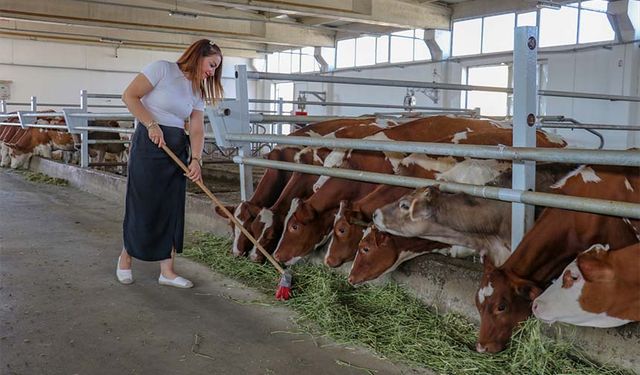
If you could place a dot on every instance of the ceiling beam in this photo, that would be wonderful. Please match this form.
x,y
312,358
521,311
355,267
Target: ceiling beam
x,y
480,8
71,12
122,38
376,12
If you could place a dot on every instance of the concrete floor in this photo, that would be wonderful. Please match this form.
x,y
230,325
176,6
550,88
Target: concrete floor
x,y
63,312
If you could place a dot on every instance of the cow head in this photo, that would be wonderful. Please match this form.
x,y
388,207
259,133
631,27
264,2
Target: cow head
x,y
266,229
304,230
503,301
583,294
348,228
376,255
407,216
245,212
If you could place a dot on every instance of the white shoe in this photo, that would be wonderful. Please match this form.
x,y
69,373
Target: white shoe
x,y
178,282
124,276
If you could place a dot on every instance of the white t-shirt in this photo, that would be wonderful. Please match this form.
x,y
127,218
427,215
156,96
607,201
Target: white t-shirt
x,y
172,99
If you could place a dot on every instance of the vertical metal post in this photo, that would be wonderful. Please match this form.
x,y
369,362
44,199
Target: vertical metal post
x,y
34,104
244,150
280,112
525,54
3,106
84,135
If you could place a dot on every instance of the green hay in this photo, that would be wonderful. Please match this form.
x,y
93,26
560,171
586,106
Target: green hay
x,y
44,179
393,323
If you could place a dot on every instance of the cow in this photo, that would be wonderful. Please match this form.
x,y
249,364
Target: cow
x,y
267,228
302,226
346,233
506,293
378,253
273,180
99,151
600,288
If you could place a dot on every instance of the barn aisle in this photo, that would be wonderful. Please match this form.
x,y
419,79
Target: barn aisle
x,y
63,312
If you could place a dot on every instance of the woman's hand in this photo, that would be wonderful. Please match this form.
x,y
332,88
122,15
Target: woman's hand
x,y
156,136
195,173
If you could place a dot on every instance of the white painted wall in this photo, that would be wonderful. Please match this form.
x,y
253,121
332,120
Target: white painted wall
x,y
56,72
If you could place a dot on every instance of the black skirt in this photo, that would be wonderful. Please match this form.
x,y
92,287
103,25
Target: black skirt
x,y
156,188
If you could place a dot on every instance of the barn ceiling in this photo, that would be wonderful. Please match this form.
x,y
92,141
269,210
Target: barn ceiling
x,y
246,28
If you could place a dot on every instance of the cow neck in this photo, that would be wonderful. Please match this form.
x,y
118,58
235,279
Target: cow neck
x,y
379,197
299,186
337,189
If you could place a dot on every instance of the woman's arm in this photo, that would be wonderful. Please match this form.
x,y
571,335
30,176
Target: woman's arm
x,y
196,135
139,87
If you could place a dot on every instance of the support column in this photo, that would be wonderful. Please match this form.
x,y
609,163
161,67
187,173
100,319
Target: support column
x,y
525,53
244,149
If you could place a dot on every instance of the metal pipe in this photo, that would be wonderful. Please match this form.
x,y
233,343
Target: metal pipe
x,y
428,85
10,123
106,129
597,206
607,157
364,105
43,114
257,118
105,96
65,105
45,126
564,125
115,115
372,82
107,141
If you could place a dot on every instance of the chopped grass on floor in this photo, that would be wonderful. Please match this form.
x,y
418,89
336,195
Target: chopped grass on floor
x,y
44,179
393,323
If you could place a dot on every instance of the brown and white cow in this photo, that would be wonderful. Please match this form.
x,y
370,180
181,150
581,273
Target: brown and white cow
x,y
378,253
558,236
601,288
330,191
273,181
267,227
343,243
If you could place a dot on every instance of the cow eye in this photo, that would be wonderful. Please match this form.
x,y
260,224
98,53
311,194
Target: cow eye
x,y
404,205
294,226
341,230
365,249
502,307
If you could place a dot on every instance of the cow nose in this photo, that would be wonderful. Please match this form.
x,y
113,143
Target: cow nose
x,y
480,348
376,214
534,307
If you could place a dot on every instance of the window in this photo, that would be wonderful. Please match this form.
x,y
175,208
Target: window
x,y
365,51
285,62
308,62
421,51
527,19
382,49
558,27
260,64
466,37
594,24
295,61
329,56
497,33
490,103
272,63
346,53
283,90
401,49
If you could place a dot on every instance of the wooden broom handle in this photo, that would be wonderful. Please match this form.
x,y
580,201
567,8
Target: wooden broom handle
x,y
224,209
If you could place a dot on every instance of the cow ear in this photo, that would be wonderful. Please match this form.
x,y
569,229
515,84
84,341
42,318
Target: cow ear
x,y
305,213
419,209
254,210
594,267
221,213
525,288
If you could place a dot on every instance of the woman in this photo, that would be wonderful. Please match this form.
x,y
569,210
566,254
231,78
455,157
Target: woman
x,y
163,97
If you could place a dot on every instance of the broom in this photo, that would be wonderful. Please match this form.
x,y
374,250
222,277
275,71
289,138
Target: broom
x,y
284,287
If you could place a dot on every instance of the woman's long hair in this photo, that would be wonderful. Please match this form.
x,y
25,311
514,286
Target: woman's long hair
x,y
210,89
